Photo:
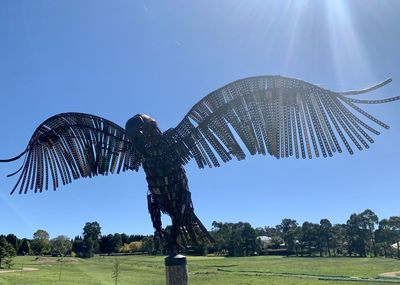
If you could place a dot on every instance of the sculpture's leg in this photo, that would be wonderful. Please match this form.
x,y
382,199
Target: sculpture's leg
x,y
173,239
175,264
178,218
155,215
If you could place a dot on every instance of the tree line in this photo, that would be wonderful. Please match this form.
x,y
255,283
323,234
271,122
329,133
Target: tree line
x,y
362,235
86,245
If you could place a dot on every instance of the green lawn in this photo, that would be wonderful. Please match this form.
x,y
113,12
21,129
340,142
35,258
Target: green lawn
x,y
205,270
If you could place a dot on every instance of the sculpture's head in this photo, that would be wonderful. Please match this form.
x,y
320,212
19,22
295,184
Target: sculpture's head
x,y
141,126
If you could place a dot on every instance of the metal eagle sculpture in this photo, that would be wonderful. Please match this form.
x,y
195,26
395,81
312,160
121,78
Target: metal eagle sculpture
x,y
269,114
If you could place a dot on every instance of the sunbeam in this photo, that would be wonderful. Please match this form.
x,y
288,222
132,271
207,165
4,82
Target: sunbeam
x,y
348,53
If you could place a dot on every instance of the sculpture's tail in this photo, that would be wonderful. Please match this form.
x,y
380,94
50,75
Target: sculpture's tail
x,y
194,232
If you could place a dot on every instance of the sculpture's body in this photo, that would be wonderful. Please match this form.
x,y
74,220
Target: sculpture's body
x,y
269,114
168,185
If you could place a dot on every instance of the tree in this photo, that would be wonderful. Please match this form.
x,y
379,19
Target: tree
x,y
3,250
40,242
124,238
111,243
325,235
91,237
261,231
275,237
356,235
394,223
370,220
132,238
13,240
7,252
88,249
339,242
116,242
60,246
8,260
235,239
309,238
134,246
220,232
147,244
361,233
289,230
124,248
24,247
249,244
41,234
106,244
78,246
385,237
92,230
116,272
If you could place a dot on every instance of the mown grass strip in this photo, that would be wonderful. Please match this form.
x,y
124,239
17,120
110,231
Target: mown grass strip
x,y
311,276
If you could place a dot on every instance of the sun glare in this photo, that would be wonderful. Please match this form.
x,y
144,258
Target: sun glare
x,y
346,47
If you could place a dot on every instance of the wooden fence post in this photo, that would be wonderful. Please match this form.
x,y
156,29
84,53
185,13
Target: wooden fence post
x,y
176,270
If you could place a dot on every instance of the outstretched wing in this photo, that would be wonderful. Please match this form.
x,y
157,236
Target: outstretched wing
x,y
74,145
276,115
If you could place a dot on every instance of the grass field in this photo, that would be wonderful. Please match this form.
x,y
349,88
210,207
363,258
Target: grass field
x,y
204,270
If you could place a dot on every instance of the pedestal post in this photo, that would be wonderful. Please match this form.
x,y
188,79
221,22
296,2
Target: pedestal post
x,y
176,270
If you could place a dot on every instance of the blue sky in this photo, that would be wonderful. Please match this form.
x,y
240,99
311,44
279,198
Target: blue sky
x,y
119,58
